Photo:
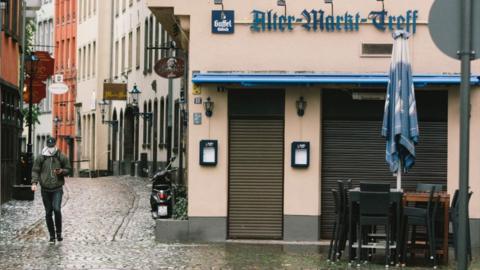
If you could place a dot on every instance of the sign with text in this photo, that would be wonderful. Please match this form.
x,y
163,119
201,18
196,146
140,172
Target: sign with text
x,y
170,68
115,91
319,21
223,21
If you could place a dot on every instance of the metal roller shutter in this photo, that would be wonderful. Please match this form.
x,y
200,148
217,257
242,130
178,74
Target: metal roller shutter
x,y
354,149
256,179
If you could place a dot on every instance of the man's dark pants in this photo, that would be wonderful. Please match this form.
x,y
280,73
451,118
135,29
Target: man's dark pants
x,y
52,200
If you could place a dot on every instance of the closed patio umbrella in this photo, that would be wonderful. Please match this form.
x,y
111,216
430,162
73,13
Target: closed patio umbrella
x,y
400,124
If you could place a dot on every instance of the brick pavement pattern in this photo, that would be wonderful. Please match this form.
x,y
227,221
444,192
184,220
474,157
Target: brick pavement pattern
x,y
107,225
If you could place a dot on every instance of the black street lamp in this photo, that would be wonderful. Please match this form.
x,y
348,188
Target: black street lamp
x,y
103,109
133,101
31,73
57,121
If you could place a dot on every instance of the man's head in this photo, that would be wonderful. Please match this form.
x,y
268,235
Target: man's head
x,y
51,142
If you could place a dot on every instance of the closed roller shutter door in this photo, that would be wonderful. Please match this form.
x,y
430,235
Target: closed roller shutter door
x,y
355,149
256,179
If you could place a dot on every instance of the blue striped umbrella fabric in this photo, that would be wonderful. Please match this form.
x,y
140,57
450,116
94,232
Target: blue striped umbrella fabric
x,y
400,123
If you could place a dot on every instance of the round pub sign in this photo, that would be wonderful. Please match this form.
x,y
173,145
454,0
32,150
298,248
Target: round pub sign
x,y
170,68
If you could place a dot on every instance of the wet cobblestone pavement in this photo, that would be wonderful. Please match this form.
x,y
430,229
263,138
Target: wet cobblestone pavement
x,y
107,225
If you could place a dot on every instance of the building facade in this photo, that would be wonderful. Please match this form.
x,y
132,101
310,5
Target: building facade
x,y
301,80
63,120
145,130
139,42
11,117
44,41
93,54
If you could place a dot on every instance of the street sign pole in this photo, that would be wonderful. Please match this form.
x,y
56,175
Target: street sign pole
x,y
465,54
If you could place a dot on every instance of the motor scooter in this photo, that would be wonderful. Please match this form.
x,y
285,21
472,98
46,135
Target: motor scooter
x,y
161,197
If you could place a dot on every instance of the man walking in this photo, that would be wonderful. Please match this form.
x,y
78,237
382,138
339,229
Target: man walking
x,y
50,169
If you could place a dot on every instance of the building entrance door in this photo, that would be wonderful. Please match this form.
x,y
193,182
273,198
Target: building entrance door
x,y
256,139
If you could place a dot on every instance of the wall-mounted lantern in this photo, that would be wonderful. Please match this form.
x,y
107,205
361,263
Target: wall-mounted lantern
x,y
330,2
134,95
301,106
103,109
282,3
208,105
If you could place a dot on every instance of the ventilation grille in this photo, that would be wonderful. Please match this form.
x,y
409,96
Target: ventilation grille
x,y
384,49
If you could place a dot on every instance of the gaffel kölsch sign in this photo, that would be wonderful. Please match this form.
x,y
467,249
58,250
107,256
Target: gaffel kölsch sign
x,y
319,21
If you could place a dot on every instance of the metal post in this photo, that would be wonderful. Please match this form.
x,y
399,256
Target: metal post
x,y
465,54
30,122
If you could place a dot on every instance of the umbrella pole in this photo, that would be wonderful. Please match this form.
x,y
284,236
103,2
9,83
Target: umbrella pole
x,y
399,176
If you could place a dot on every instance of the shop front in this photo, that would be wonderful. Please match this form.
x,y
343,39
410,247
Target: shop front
x,y
284,103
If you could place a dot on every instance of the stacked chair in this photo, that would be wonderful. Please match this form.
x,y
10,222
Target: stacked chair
x,y
340,226
421,215
374,210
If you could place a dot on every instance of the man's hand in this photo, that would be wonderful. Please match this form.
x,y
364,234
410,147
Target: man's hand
x,y
34,187
58,171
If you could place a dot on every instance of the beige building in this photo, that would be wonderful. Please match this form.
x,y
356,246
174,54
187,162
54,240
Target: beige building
x,y
275,59
119,42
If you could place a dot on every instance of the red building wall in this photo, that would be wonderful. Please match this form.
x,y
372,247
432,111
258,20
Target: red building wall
x,y
65,63
11,127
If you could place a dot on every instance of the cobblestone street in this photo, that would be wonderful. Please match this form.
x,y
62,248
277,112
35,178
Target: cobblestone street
x,y
107,225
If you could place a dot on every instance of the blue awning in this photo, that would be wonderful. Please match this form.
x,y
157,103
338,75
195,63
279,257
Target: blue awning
x,y
258,79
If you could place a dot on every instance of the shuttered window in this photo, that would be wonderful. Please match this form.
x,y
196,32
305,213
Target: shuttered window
x,y
352,146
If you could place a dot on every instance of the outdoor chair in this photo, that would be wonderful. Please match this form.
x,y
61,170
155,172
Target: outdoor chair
x,y
340,228
453,217
332,251
344,186
421,216
374,210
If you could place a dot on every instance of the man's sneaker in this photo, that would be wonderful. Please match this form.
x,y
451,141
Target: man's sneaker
x,y
52,240
59,238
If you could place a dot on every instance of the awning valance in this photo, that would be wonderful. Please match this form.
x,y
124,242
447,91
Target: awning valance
x,y
258,79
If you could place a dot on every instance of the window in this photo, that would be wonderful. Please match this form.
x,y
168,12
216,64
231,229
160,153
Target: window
x,y
144,126
157,34
117,7
89,55
67,53
84,63
79,64
94,6
150,39
89,8
123,54
149,139
145,45
124,5
130,2
176,126
94,58
62,56
167,134
377,49
116,58
164,40
130,53
137,49
162,122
